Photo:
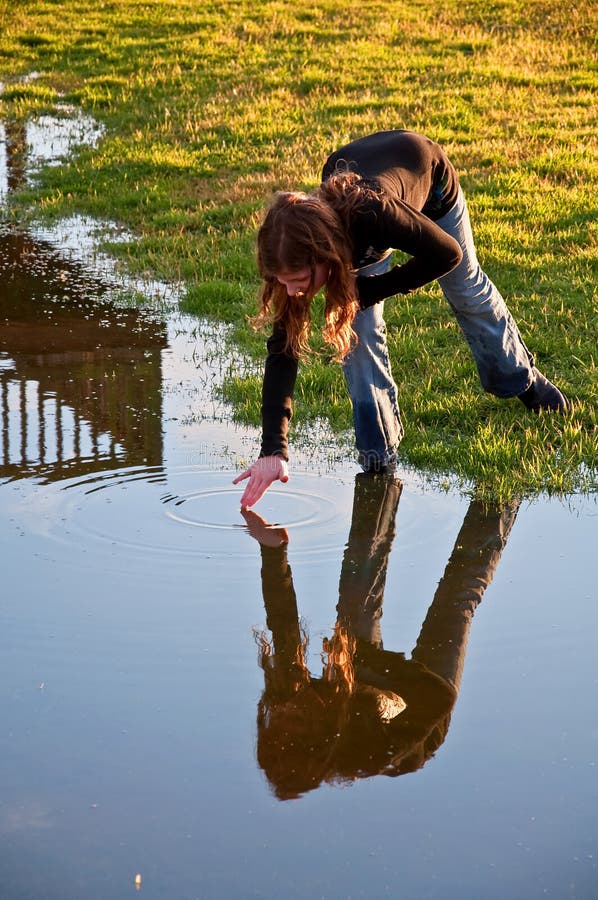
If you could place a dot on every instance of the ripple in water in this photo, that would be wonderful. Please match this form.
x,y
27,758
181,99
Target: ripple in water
x,y
140,518
211,508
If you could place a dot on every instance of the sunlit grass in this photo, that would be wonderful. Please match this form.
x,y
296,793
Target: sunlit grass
x,y
209,107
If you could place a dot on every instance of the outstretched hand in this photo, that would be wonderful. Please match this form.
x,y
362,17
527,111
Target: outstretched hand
x,y
261,474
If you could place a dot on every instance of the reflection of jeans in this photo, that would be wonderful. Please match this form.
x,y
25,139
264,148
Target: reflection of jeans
x,y
365,561
504,363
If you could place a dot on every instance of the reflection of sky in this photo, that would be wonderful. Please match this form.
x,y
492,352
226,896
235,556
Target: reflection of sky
x,y
51,138
78,237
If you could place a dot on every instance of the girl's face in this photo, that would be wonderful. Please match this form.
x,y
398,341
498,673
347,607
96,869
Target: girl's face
x,y
300,282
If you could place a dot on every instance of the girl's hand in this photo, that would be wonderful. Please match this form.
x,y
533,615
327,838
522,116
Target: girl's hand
x,y
261,474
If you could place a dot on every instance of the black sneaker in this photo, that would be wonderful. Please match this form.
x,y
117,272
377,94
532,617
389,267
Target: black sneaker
x,y
543,394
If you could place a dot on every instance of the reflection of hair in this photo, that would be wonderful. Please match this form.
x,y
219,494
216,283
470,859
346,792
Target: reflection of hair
x,y
312,730
299,727
286,672
337,657
337,660
301,231
337,729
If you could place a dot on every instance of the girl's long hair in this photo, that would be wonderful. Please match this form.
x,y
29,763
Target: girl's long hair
x,y
301,231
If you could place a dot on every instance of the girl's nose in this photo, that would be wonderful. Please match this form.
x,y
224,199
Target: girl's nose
x,y
293,287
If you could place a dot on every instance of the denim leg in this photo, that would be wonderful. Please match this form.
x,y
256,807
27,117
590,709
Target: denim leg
x,y
504,363
373,392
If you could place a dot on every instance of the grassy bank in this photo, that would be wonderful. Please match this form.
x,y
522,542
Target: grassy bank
x,y
211,106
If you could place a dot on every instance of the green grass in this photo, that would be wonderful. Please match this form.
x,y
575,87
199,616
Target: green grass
x,y
211,106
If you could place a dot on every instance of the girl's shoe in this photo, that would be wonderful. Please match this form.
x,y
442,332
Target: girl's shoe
x,y
543,394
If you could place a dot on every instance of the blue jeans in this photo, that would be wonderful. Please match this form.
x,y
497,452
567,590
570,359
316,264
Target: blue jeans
x,y
376,415
503,361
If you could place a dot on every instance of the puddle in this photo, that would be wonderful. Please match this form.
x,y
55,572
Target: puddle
x,y
361,688
48,140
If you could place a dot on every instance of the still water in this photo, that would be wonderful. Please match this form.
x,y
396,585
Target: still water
x,y
361,688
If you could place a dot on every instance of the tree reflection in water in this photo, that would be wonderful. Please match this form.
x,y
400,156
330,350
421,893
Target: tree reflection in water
x,y
372,711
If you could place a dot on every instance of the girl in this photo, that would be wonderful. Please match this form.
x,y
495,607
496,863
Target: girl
x,y
390,190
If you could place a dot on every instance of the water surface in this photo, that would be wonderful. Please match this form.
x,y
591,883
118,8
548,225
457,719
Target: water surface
x,y
363,688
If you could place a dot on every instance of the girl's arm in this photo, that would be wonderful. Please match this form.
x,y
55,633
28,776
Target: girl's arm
x,y
393,223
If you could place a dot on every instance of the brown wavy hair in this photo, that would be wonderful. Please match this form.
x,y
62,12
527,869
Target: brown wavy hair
x,y
301,231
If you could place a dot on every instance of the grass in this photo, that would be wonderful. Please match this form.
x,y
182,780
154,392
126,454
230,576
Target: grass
x,y
209,107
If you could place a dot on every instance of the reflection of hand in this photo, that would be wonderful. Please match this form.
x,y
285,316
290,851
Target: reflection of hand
x,y
261,474
267,535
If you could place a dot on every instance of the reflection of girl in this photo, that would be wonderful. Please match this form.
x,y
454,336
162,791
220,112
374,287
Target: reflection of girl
x,y
390,190
349,723
372,711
